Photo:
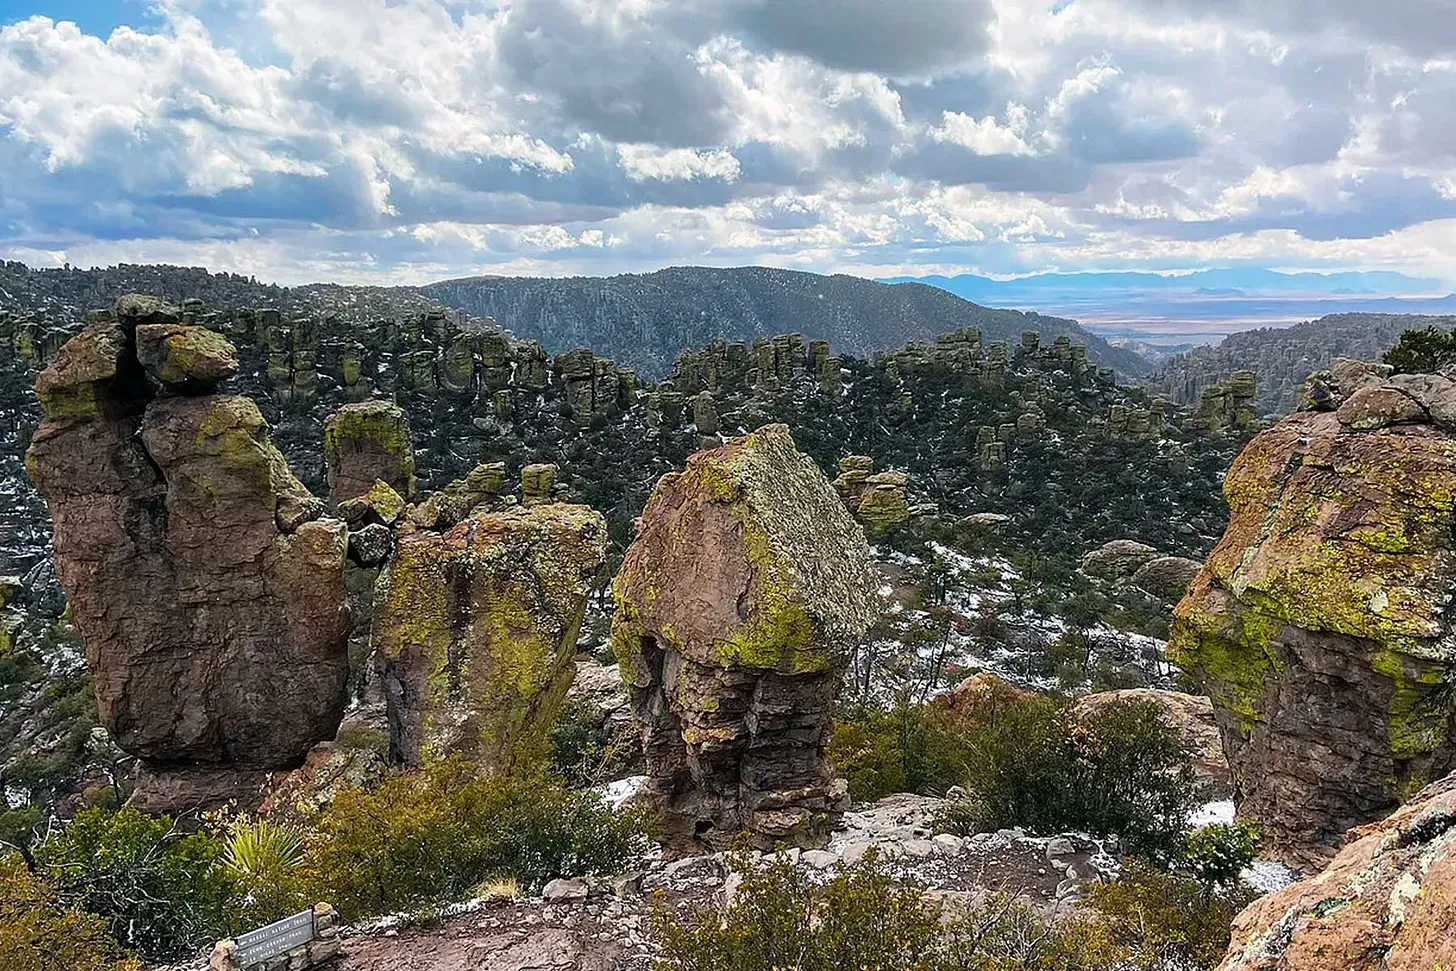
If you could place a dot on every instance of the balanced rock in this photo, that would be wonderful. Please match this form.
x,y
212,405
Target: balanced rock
x,y
738,604
475,630
206,588
365,442
1320,624
185,357
1387,901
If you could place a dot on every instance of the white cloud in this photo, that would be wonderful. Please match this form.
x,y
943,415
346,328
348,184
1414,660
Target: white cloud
x,y
644,162
430,137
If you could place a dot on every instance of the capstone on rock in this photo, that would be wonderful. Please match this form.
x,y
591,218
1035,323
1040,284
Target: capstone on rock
x,y
738,604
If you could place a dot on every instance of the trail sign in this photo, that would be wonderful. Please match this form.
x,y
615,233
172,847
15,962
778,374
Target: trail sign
x,y
257,946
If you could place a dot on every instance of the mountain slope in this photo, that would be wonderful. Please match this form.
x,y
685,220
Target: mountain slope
x,y
644,320
1284,356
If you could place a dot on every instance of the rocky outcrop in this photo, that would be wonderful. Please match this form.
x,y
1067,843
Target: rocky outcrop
x,y
475,630
367,442
1319,624
1386,902
737,605
876,499
201,577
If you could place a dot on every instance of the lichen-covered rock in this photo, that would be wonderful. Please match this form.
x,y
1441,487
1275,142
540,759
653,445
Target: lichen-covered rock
x,y
184,357
1386,902
206,588
1118,559
737,606
364,442
475,629
480,488
1320,624
537,481
882,505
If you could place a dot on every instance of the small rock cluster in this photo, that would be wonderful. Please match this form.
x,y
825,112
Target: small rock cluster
x,y
1142,566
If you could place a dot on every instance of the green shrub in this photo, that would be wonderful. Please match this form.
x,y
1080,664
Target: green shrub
x,y
1216,855
1119,771
161,892
1422,351
783,919
40,932
432,836
1163,920
265,860
584,748
907,748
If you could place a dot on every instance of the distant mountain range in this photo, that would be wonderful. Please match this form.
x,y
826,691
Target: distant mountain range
x,y
1204,306
645,320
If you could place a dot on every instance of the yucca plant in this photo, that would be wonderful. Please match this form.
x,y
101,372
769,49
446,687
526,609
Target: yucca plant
x,y
264,859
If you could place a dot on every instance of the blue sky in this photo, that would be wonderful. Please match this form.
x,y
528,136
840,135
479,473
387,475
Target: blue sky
x,y
406,140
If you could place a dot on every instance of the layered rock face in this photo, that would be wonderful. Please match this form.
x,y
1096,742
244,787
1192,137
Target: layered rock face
x,y
475,631
1319,624
738,604
1385,903
201,577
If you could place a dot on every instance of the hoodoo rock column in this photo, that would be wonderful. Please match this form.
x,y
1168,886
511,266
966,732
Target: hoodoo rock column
x,y
738,605
1320,624
205,585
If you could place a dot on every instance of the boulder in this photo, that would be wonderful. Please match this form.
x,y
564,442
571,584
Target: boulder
x,y
1376,407
1166,577
979,690
1386,901
1320,625
185,358
1327,390
882,505
365,442
738,604
1118,559
1189,717
475,629
205,586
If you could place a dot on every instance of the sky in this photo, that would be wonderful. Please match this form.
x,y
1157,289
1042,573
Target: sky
x,y
401,141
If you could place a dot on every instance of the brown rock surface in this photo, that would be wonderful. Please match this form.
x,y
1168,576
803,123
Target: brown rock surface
x,y
1386,902
475,629
1319,624
737,605
208,592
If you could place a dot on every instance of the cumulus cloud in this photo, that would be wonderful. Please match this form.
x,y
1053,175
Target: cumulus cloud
x,y
406,140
